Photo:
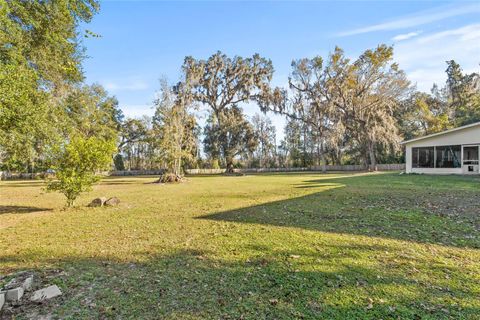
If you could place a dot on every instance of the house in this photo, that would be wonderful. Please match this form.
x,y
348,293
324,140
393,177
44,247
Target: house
x,y
454,151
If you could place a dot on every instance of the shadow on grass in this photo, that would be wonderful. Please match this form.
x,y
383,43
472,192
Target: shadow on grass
x,y
21,209
24,183
190,284
420,210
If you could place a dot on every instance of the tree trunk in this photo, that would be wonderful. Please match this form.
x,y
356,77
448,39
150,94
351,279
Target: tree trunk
x,y
229,161
371,152
322,158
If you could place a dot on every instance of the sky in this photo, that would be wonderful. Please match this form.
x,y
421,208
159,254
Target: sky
x,y
143,41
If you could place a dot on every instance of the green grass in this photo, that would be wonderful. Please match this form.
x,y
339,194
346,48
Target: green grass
x,y
278,246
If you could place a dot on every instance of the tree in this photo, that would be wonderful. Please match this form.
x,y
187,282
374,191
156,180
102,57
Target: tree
x,y
24,117
40,58
222,83
368,92
43,36
118,162
265,132
174,128
463,94
423,114
76,163
294,144
235,137
320,119
137,143
89,110
455,104
358,99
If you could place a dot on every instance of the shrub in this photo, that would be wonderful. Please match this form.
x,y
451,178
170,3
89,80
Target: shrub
x,y
76,163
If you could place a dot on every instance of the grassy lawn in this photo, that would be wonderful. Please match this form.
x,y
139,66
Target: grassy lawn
x,y
279,246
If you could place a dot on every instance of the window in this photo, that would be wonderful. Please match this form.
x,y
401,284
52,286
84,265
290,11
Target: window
x,y
423,157
448,156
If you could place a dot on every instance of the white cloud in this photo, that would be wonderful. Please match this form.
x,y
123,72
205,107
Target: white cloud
x,y
423,58
137,110
418,19
130,85
406,36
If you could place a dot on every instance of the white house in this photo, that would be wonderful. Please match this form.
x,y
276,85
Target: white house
x,y
454,151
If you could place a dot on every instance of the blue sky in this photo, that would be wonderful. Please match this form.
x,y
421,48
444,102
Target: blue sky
x,y
142,41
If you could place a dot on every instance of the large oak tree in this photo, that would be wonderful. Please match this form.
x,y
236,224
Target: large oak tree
x,y
222,84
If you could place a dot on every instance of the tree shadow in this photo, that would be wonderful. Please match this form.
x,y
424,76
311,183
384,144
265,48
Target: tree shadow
x,y
23,183
420,209
125,180
192,284
21,209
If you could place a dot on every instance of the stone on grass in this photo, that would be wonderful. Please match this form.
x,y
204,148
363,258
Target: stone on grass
x,y
46,293
114,201
98,202
27,283
14,294
22,279
2,300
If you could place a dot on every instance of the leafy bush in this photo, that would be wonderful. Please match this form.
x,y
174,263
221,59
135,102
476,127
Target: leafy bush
x,y
76,163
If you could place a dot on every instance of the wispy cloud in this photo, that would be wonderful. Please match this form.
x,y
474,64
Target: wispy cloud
x,y
423,57
406,36
418,19
465,33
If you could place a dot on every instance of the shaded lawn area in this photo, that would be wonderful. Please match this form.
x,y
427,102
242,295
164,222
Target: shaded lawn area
x,y
269,246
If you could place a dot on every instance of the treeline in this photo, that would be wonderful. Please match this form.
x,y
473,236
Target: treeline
x,y
338,110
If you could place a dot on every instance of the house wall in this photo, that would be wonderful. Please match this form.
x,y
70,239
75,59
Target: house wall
x,y
467,136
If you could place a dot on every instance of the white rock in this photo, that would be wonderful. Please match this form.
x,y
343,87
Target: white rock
x,y
2,299
14,294
27,283
46,293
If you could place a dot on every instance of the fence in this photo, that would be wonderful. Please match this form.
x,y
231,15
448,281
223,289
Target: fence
x,y
136,172
6,175
381,167
359,167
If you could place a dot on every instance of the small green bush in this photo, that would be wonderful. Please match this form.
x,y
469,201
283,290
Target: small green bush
x,y
76,163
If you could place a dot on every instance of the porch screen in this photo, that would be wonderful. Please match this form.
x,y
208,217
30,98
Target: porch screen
x,y
470,155
423,157
448,156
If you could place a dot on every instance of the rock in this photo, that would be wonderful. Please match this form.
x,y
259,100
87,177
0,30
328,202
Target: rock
x,y
2,300
14,294
27,283
22,279
46,293
11,284
98,202
114,201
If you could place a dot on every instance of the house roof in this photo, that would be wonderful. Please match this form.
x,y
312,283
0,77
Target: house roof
x,y
442,133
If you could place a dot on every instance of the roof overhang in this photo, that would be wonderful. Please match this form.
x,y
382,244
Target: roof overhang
x,y
442,133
